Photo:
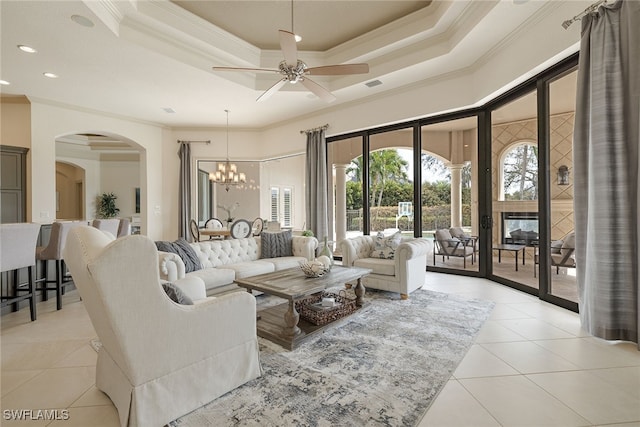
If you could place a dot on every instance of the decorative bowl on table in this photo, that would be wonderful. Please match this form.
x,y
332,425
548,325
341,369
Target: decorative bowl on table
x,y
313,268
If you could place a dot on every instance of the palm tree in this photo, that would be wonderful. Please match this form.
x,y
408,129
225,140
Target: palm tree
x,y
384,165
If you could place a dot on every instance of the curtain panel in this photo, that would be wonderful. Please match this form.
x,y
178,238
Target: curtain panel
x,y
184,190
606,138
317,184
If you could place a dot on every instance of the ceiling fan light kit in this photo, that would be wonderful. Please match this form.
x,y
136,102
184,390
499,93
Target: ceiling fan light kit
x,y
294,70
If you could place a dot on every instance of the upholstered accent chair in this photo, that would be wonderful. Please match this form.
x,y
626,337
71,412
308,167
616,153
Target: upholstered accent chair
x,y
448,246
404,273
110,225
53,252
159,360
17,251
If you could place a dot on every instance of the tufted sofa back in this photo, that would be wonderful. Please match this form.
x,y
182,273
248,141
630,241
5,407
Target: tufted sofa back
x,y
214,253
356,248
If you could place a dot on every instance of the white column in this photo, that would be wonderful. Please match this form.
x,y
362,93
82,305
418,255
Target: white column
x,y
456,195
341,202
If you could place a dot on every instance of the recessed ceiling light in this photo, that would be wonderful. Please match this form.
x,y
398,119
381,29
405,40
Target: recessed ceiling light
x,y
4,82
82,20
50,75
27,49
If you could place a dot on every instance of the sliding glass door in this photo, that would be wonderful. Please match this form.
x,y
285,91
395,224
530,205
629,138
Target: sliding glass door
x,y
515,235
449,160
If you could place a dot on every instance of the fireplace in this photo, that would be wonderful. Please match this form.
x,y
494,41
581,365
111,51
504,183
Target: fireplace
x,y
520,228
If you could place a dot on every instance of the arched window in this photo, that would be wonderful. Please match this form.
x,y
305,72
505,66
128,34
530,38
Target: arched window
x,y
520,172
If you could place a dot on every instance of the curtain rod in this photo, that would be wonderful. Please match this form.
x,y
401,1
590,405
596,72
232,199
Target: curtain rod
x,y
323,127
195,142
591,9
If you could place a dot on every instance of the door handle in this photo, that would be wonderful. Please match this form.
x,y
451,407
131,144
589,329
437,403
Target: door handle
x,y
486,222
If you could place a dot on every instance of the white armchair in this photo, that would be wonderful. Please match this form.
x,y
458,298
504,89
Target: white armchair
x,y
403,274
159,360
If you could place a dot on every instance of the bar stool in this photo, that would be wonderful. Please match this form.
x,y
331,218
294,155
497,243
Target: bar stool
x,y
110,225
124,227
17,250
53,252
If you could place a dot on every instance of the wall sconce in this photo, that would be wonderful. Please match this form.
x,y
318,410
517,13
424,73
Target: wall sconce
x,y
563,175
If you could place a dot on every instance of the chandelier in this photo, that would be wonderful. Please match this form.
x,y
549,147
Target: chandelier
x,y
227,173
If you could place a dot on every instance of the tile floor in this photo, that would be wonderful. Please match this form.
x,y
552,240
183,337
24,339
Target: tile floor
x,y
531,365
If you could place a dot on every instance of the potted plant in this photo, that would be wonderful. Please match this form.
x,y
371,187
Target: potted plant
x,y
106,206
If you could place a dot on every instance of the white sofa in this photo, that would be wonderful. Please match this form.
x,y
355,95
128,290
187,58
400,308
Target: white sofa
x,y
159,360
223,261
403,274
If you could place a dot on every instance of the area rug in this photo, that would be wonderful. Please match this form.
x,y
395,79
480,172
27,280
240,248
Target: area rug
x,y
383,366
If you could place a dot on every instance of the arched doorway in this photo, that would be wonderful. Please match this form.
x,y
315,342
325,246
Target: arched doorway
x,y
111,164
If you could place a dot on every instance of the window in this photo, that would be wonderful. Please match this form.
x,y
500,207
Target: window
x,y
282,205
275,196
520,172
287,202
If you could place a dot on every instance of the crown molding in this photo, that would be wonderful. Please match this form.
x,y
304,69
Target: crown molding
x,y
110,12
80,109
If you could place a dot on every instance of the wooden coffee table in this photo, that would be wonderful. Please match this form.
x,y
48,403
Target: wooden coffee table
x,y
282,323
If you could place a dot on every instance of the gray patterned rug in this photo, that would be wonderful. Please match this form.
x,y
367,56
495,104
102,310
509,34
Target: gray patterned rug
x,y
383,366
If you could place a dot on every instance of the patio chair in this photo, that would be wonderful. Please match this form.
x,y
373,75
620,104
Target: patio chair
x,y
466,238
448,246
562,253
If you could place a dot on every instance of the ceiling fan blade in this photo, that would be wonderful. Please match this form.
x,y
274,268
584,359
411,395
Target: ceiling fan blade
x,y
273,89
271,70
338,70
318,90
289,48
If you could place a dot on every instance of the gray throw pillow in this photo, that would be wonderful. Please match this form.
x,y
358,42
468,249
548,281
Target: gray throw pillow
x,y
273,245
176,294
182,248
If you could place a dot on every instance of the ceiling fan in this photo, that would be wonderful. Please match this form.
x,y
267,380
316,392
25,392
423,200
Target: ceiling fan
x,y
293,70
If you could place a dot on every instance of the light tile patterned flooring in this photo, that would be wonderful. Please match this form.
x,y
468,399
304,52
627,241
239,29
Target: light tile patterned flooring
x,y
531,365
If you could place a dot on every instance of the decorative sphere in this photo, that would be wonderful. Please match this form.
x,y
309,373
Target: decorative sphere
x,y
326,262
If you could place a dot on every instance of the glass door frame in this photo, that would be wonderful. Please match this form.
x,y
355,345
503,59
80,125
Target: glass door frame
x,y
540,85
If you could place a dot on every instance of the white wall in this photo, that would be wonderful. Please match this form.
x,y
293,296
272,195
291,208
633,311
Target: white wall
x,y
49,122
120,178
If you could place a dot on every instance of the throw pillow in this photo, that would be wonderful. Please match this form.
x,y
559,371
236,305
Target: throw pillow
x,y
182,248
385,247
273,245
176,294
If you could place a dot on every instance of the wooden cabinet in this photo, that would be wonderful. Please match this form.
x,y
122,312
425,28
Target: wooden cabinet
x,y
13,184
